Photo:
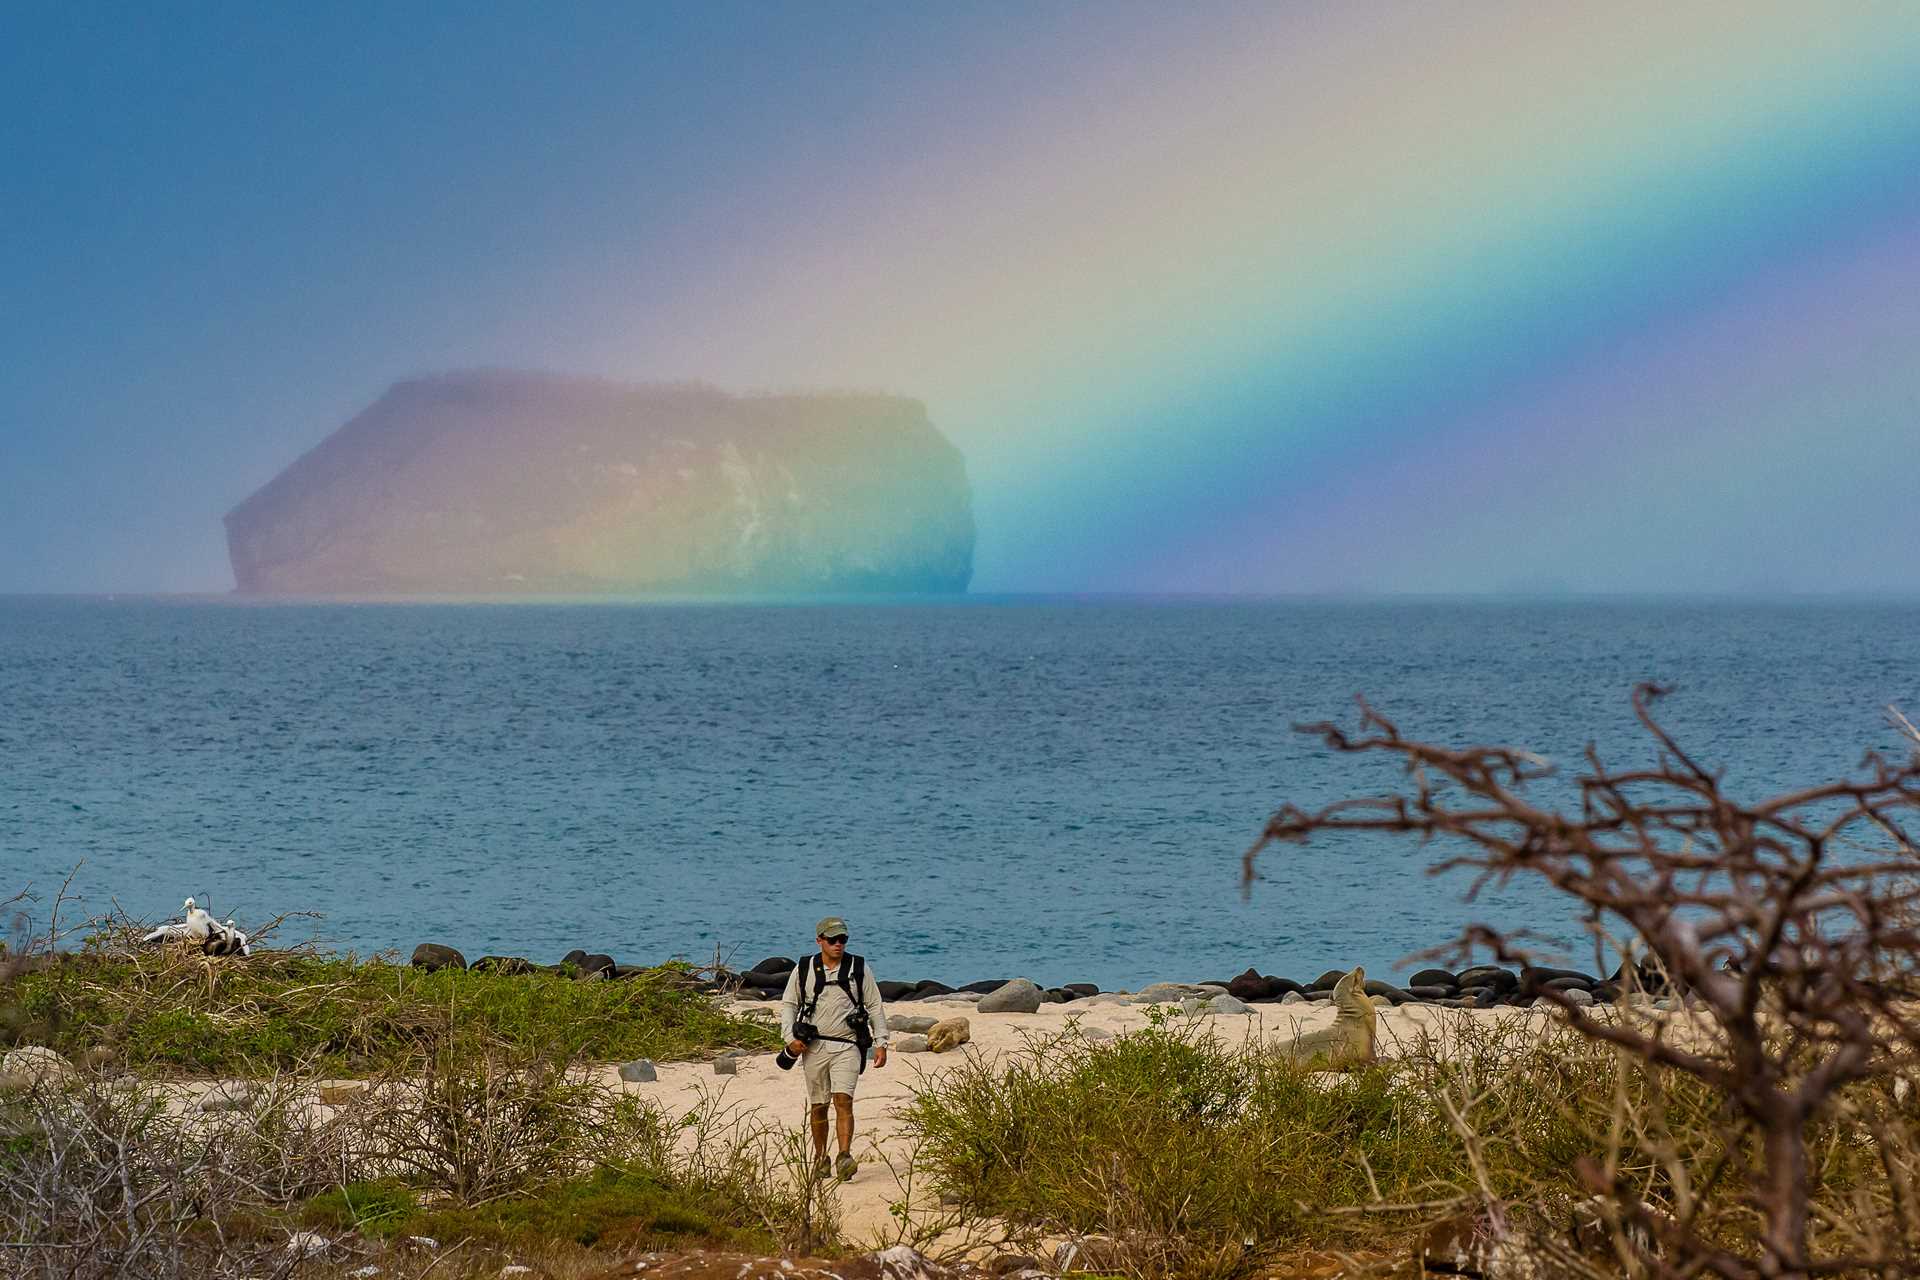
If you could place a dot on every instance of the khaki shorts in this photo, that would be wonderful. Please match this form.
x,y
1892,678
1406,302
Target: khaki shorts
x,y
830,1067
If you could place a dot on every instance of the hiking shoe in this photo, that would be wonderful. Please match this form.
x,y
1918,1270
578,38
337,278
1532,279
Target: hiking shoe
x,y
845,1167
822,1169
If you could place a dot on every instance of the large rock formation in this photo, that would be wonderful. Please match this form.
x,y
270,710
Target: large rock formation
x,y
510,483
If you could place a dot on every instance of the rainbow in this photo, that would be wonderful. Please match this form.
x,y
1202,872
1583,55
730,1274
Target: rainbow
x,y
1281,298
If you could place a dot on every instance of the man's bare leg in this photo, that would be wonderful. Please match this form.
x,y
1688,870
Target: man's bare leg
x,y
817,1121
843,1165
842,1121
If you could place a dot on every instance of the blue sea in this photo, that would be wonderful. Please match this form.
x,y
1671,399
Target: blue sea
x,y
984,788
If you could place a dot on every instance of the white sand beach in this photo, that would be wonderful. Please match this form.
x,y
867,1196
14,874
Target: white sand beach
x,y
866,1203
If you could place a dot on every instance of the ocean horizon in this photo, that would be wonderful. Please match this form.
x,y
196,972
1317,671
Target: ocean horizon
x,y
1057,787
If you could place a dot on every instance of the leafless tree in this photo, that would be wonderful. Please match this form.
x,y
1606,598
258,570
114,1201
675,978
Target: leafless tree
x,y
1789,922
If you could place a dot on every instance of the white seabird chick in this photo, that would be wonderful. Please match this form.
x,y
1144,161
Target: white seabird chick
x,y
195,928
226,940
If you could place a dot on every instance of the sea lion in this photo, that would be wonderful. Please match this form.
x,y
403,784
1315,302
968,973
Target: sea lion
x,y
1350,1040
950,1034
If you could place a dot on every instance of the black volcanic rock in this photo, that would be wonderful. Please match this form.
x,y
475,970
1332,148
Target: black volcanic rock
x,y
513,483
432,956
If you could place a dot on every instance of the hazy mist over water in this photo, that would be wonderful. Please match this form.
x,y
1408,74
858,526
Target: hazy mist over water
x,y
985,788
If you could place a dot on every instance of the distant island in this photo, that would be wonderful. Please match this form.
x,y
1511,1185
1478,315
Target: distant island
x,y
501,483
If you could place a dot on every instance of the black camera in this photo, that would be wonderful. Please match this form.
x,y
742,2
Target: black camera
x,y
805,1033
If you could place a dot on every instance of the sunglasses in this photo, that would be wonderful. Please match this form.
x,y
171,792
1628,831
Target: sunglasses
x,y
840,941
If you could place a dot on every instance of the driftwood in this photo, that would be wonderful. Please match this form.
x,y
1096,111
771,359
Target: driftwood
x,y
1789,923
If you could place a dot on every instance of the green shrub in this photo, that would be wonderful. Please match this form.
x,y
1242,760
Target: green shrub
x,y
607,1208
1189,1150
178,1011
378,1208
602,1207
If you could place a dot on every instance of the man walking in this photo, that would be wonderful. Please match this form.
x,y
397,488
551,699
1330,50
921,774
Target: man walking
x,y
830,1016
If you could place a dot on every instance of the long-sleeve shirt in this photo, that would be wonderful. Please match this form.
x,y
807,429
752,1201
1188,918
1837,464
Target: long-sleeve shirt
x,y
830,1015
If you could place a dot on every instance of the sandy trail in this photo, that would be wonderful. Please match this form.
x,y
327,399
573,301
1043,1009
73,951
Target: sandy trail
x,y
866,1203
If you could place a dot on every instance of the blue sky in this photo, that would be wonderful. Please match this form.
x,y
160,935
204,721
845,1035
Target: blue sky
x,y
1238,297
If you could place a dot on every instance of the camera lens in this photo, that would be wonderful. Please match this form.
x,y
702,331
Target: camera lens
x,y
784,1059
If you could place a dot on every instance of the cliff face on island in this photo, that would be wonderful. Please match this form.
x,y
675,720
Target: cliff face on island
x,y
505,483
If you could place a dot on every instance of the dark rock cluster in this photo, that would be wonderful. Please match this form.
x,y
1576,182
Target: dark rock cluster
x,y
1481,986
1476,987
582,966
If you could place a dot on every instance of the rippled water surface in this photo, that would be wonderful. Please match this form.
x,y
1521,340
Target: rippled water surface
x,y
984,788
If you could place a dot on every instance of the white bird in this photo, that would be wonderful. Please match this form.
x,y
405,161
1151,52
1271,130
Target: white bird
x,y
226,940
195,928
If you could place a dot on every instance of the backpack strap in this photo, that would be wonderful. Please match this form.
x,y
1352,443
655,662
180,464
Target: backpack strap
x,y
817,967
852,980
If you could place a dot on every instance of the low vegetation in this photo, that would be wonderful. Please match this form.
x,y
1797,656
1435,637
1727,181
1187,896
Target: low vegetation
x,y
477,1123
1196,1158
495,1153
173,1010
611,1208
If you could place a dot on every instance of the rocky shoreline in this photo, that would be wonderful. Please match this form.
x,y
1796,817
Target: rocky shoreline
x,y
1475,987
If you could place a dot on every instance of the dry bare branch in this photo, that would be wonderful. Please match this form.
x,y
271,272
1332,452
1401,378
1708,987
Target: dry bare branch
x,y
1797,949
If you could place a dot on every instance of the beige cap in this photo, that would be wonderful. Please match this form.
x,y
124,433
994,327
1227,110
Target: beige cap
x,y
831,927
